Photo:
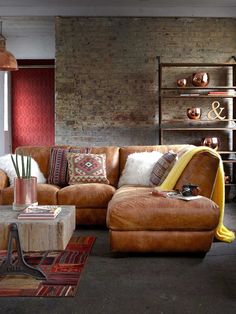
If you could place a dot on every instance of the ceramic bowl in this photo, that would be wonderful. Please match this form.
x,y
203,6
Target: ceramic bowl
x,y
212,142
181,82
194,113
200,79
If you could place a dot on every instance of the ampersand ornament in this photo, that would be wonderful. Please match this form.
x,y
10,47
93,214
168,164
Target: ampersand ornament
x,y
215,112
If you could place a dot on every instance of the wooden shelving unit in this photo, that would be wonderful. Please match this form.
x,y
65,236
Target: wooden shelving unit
x,y
184,93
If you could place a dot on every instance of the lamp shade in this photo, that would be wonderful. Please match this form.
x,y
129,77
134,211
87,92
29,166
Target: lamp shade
x,y
7,61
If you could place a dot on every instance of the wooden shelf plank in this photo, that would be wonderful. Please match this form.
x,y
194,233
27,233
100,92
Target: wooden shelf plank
x,y
199,88
199,96
229,161
197,129
197,120
199,64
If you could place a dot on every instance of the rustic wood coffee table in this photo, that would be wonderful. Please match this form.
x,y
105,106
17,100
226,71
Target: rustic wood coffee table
x,y
39,235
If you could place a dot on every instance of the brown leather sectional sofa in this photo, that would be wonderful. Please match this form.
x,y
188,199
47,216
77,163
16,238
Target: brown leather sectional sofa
x,y
135,230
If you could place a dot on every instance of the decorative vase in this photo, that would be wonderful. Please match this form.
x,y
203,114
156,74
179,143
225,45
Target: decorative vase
x,y
194,113
200,79
212,142
227,179
181,82
25,192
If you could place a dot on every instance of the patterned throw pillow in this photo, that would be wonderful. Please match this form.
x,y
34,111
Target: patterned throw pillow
x,y
162,168
87,168
58,173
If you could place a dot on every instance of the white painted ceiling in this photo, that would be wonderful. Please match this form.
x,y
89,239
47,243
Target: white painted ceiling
x,y
204,8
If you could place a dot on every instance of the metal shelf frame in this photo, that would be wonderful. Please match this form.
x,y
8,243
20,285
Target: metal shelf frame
x,y
165,92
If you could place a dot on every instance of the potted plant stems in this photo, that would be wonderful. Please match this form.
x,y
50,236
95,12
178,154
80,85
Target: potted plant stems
x,y
25,186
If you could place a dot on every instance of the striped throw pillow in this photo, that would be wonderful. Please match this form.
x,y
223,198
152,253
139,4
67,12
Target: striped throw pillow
x,y
162,168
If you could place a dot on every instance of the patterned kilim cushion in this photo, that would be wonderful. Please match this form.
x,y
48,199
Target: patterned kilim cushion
x,y
59,166
162,168
87,168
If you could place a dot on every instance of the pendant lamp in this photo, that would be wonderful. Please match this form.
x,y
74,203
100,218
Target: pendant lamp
x,y
7,60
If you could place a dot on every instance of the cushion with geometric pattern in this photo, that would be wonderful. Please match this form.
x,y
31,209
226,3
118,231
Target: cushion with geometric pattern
x,y
87,168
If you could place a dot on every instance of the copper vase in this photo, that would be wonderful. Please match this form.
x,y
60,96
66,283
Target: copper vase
x,y
25,192
194,113
212,142
181,82
200,79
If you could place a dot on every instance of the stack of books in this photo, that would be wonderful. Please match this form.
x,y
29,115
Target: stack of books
x,y
222,93
40,212
189,94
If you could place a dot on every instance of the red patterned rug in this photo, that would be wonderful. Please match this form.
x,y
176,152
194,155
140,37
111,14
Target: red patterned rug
x,y
62,268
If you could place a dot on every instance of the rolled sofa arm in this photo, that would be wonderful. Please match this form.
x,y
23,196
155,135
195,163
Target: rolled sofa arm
x,y
201,170
4,180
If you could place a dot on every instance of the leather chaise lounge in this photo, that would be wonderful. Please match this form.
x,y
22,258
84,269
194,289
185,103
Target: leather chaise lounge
x,y
141,222
137,220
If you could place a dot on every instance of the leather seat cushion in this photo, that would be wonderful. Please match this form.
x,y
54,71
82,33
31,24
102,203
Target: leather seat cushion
x,y
46,194
90,195
135,208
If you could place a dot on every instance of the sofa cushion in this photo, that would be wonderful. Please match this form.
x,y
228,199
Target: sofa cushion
x,y
58,166
112,161
7,196
90,195
87,168
162,168
135,208
46,194
138,168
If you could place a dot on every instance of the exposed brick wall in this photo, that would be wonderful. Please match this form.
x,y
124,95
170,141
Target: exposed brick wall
x,y
106,73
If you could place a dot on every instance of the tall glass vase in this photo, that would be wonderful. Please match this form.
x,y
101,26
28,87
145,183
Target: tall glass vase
x,y
25,192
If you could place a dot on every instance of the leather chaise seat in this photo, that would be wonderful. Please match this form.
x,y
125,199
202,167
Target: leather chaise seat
x,y
141,222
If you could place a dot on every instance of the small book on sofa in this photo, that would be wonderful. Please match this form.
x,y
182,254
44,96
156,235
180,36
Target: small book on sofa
x,y
182,197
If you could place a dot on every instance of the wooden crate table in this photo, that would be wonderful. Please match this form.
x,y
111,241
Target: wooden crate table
x,y
39,235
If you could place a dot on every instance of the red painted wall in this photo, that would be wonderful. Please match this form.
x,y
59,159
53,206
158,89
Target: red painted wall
x,y
32,107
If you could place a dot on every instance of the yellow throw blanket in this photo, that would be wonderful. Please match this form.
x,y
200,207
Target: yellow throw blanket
x,y
221,233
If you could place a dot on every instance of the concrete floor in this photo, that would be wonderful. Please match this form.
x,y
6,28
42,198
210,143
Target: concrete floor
x,y
146,284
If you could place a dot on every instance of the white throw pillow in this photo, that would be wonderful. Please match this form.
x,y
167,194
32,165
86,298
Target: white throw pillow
x,y
138,168
7,166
